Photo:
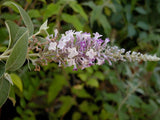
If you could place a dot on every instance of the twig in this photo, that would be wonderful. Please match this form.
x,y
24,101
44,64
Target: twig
x,y
126,98
3,57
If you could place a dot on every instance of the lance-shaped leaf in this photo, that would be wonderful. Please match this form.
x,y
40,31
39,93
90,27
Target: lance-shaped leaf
x,y
72,19
12,29
25,16
4,90
78,8
56,87
15,32
18,54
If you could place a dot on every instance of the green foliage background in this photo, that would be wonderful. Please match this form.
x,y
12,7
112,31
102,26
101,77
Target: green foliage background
x,y
123,91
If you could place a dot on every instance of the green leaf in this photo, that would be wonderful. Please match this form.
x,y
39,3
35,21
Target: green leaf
x,y
122,115
12,29
4,90
151,66
20,32
109,108
76,116
72,19
3,35
90,4
143,25
154,105
15,32
52,9
24,15
83,76
105,24
34,13
79,9
16,36
114,96
19,110
131,30
141,10
2,68
95,14
104,115
56,86
99,75
18,54
68,102
29,92
93,82
12,96
88,108
80,92
149,107
17,81
22,102
8,16
134,101
89,70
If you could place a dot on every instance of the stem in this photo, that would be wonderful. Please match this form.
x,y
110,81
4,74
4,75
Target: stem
x,y
35,34
5,57
6,52
126,98
128,95
34,55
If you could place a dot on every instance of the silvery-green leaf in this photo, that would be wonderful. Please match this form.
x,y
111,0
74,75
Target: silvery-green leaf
x,y
15,32
4,90
18,54
12,29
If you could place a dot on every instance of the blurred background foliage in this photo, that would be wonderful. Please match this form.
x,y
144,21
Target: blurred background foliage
x,y
123,91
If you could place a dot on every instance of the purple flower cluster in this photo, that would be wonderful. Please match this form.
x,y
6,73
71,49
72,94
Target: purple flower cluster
x,y
80,50
77,49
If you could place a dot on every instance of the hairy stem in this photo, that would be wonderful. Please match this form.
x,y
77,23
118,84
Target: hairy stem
x,y
5,57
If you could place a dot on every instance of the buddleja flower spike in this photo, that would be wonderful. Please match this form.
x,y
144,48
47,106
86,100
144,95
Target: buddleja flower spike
x,y
80,50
